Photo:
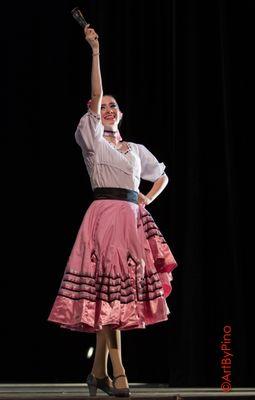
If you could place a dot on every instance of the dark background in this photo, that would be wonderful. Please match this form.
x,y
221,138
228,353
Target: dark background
x,y
182,72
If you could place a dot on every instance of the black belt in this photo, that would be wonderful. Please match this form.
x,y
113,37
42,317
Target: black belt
x,y
115,194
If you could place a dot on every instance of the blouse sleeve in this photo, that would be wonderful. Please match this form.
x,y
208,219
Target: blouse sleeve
x,y
151,168
89,130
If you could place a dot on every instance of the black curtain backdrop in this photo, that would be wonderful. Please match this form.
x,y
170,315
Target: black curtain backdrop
x,y
182,72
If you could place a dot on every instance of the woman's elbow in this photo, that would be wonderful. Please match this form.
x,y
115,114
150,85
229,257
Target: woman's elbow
x,y
165,177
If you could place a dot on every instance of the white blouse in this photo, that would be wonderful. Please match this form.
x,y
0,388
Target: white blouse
x,y
110,167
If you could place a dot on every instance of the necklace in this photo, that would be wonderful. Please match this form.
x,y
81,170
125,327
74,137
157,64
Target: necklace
x,y
118,148
114,134
110,132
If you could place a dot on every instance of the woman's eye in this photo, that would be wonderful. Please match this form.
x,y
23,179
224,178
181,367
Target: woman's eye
x,y
111,106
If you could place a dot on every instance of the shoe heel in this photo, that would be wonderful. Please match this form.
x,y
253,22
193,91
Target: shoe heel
x,y
92,390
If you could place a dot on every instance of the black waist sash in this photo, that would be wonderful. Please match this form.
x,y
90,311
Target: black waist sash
x,y
115,194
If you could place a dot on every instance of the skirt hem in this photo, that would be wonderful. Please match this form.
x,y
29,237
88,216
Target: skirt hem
x,y
83,327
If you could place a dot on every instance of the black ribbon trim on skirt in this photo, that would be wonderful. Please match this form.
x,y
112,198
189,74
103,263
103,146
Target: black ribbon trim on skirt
x,y
115,194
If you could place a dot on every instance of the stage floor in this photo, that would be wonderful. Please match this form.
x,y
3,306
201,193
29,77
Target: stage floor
x,y
142,391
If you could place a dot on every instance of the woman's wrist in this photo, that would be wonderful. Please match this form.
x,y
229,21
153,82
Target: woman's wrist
x,y
95,52
149,199
144,199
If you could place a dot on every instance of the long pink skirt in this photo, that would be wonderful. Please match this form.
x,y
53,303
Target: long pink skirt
x,y
118,272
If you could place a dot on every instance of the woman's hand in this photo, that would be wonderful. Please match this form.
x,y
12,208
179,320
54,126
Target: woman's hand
x,y
92,37
143,200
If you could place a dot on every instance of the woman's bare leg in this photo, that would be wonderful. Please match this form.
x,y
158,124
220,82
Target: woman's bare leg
x,y
113,339
99,369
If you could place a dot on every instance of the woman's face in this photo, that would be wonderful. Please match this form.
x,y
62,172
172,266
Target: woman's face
x,y
110,112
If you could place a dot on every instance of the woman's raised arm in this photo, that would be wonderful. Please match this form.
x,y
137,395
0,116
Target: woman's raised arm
x,y
96,81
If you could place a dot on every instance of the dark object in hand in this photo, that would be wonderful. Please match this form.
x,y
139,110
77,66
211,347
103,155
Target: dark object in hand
x,y
76,13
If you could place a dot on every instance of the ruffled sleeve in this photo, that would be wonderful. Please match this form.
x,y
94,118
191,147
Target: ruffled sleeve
x,y
151,168
89,131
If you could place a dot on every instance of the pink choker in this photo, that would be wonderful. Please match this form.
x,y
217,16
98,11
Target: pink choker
x,y
115,134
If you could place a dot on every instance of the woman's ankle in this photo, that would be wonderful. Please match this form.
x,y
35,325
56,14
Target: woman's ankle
x,y
120,382
99,373
119,371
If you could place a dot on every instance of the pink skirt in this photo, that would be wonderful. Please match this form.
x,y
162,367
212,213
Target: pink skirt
x,y
118,272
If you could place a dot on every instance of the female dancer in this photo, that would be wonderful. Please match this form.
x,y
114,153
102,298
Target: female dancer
x,y
119,271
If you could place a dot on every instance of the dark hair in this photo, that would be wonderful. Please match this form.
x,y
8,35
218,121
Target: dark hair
x,y
111,95
105,94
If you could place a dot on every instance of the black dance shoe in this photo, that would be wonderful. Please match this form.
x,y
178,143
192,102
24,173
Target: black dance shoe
x,y
120,392
99,383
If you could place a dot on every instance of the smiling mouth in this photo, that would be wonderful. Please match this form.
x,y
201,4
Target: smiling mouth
x,y
110,117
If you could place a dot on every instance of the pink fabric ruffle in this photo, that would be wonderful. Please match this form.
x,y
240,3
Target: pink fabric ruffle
x,y
163,258
118,272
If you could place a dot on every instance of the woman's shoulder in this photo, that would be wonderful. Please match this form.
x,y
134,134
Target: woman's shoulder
x,y
139,148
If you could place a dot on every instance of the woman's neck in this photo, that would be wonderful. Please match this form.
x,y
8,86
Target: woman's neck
x,y
111,135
